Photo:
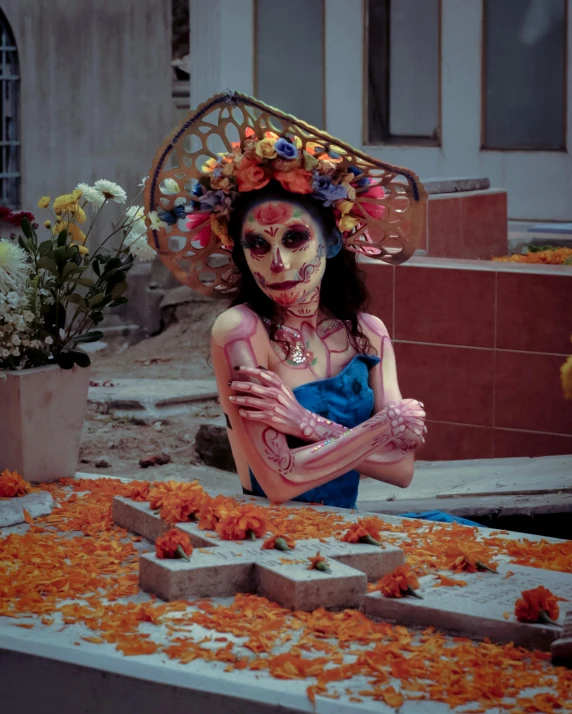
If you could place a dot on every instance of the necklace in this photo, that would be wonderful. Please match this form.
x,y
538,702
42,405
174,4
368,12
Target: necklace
x,y
297,351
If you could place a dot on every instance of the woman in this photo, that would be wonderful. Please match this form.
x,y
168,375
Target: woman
x,y
307,380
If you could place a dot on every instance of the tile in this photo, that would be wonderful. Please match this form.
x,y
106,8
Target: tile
x,y
444,229
533,312
509,443
485,225
454,307
454,442
423,242
454,383
379,280
528,393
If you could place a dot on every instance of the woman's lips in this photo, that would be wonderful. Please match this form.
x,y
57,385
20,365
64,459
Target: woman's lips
x,y
284,286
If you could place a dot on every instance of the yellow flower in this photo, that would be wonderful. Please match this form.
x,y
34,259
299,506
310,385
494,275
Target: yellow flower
x,y
47,224
83,250
350,189
44,202
209,166
220,229
566,377
62,203
265,149
75,234
344,207
347,223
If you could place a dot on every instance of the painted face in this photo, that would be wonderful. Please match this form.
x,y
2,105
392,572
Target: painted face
x,y
285,251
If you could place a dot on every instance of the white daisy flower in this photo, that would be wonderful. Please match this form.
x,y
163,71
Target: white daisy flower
x,y
156,222
49,340
139,248
110,190
143,182
135,218
170,187
91,194
14,267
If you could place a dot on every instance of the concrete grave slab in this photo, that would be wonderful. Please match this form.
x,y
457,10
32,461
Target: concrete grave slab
x,y
220,568
152,397
37,504
478,610
562,647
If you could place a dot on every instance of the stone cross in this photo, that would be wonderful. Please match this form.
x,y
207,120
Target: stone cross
x,y
483,608
562,648
219,568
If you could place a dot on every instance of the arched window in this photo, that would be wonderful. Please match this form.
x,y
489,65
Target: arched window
x,y
9,117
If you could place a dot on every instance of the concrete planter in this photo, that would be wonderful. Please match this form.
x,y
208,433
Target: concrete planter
x,y
41,418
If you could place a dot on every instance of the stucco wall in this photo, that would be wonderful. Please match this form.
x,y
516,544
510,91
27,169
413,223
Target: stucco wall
x,y
95,90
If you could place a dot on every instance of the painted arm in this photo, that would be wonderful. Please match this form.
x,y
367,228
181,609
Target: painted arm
x,y
239,339
275,404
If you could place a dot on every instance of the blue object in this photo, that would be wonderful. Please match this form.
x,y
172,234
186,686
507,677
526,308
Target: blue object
x,y
441,517
346,399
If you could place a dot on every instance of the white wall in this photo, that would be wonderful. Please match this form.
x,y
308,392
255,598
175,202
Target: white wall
x,y
95,90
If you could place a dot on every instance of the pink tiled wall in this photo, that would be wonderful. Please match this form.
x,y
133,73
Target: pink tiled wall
x,y
481,344
471,225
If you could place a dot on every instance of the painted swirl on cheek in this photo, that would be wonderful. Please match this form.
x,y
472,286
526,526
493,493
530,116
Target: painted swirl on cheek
x,y
308,269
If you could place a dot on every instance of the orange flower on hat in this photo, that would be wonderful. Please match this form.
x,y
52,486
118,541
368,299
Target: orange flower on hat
x,y
245,521
12,484
537,605
173,544
364,531
250,175
296,181
467,557
398,583
279,542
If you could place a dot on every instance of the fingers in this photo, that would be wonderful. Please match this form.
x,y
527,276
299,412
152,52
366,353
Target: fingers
x,y
262,374
253,402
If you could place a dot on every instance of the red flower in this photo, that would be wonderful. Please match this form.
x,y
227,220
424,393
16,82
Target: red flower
x,y
17,218
537,605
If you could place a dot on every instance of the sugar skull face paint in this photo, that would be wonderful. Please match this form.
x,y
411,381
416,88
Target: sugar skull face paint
x,y
285,250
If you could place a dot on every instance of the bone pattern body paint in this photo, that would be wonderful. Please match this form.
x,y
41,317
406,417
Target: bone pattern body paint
x,y
261,406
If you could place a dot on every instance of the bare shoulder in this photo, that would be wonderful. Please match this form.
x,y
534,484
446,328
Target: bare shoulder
x,y
238,321
373,327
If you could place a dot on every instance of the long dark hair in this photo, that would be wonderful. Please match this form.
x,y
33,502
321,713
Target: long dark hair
x,y
343,294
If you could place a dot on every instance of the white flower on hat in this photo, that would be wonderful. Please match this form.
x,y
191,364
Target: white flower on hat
x,y
170,187
91,194
14,267
110,190
156,222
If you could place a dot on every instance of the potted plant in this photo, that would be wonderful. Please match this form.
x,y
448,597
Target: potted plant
x,y
53,294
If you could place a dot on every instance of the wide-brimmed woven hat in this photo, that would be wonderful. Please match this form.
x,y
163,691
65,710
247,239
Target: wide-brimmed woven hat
x,y
234,143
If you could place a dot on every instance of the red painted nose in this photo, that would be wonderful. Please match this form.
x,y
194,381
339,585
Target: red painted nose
x,y
277,266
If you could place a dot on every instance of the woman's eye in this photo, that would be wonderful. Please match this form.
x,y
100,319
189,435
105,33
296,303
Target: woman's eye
x,y
256,245
295,238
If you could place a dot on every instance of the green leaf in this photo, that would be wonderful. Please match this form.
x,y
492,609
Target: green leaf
x,y
62,238
65,360
118,302
92,336
76,299
111,266
68,269
48,264
72,250
55,318
60,255
118,290
96,317
81,359
95,300
96,269
25,245
45,247
27,229
86,282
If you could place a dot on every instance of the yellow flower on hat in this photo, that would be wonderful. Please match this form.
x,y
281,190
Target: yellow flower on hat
x,y
265,149
347,223
566,377
350,189
220,229
209,166
344,207
44,202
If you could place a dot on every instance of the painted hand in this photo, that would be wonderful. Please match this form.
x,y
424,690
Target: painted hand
x,y
272,403
407,420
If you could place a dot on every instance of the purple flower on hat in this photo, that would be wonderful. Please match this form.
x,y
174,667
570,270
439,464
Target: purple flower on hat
x,y
327,191
285,149
211,199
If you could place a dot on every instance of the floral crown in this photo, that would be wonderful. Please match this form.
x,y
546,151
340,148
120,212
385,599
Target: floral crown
x,y
193,188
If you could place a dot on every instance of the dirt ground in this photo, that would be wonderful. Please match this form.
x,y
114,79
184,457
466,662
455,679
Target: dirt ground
x,y
180,352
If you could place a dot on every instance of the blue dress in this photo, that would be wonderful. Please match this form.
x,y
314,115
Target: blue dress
x,y
346,399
